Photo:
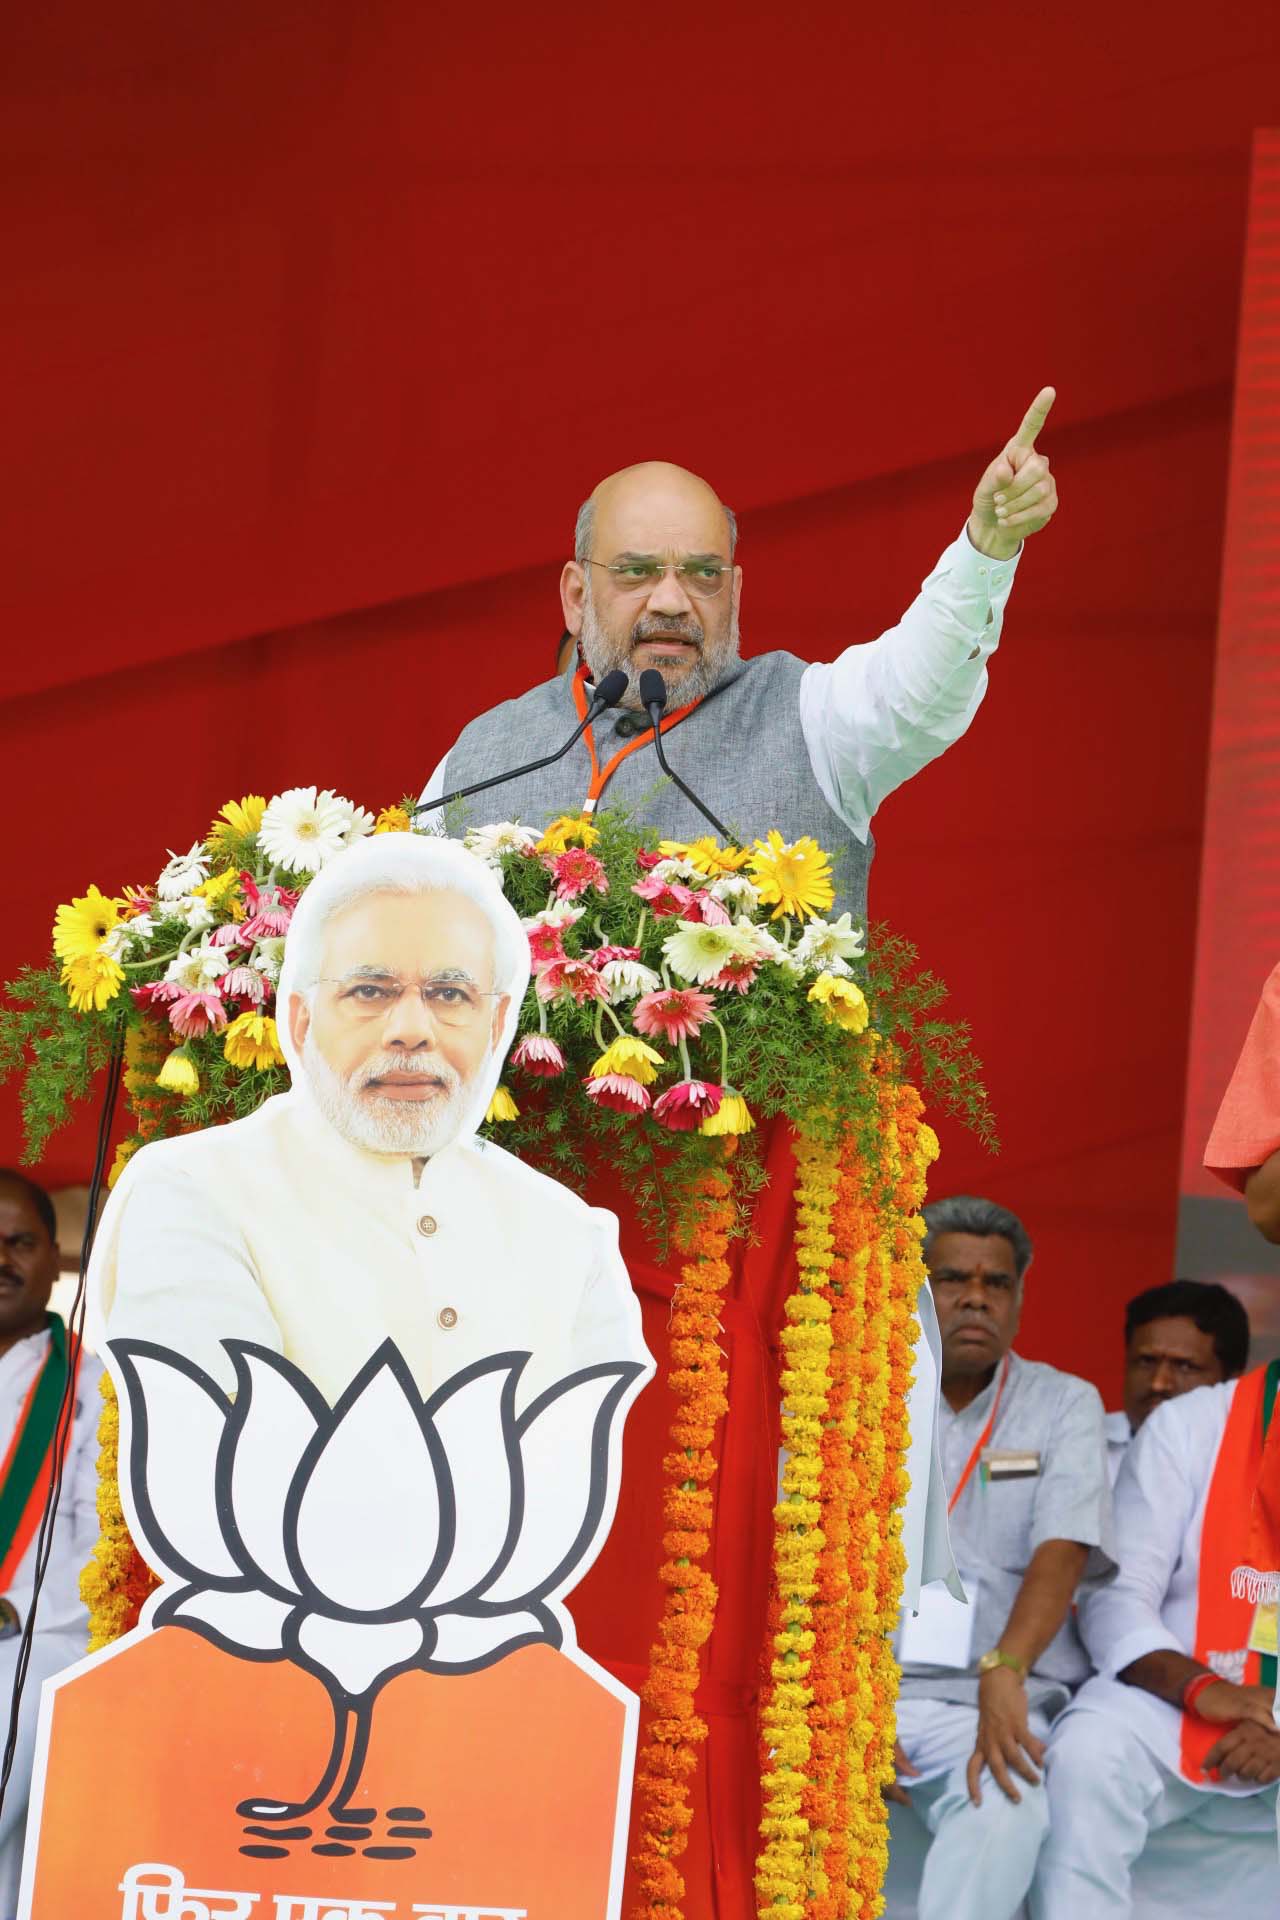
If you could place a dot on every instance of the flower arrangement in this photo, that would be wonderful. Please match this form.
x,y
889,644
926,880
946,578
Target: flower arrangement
x,y
680,993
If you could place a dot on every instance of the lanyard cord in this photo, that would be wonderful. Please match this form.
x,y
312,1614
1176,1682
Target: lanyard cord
x,y
600,777
981,1441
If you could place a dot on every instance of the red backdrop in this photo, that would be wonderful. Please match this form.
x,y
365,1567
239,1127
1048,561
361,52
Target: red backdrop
x,y
320,321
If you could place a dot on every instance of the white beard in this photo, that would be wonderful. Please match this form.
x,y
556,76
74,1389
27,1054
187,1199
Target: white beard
x,y
386,1126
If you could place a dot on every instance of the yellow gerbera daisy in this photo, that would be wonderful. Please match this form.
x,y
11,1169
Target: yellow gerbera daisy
x,y
732,1116
502,1106
91,980
795,880
570,830
842,1001
706,855
251,1040
238,820
392,820
79,928
632,1058
220,890
179,1074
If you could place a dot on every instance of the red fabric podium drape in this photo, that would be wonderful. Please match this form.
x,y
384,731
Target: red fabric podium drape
x,y
617,1605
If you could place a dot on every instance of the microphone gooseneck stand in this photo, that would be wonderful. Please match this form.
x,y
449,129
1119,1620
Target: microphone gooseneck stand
x,y
607,694
653,698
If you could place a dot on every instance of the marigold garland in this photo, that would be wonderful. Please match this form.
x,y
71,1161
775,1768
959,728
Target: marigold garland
x,y
117,1579
698,1379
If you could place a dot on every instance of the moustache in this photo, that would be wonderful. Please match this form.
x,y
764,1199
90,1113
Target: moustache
x,y
681,626
407,1066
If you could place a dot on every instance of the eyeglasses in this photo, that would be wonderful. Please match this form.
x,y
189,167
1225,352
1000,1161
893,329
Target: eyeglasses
x,y
701,578
369,997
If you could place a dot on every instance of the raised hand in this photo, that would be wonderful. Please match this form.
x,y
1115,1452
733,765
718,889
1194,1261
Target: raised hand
x,y
1017,495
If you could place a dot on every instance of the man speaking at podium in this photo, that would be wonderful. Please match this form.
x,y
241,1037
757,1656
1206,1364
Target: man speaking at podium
x,y
769,742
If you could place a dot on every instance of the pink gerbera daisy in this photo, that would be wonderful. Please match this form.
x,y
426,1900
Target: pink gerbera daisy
x,y
684,1107
546,944
538,1053
155,993
578,978
602,956
737,975
574,871
709,910
648,861
619,1091
665,899
674,1013
196,1013
243,983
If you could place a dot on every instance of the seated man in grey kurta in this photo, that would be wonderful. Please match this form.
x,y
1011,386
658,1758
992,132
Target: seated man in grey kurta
x,y
1024,1460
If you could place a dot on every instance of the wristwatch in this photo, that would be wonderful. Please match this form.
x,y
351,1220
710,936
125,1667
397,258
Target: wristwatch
x,y
995,1658
10,1620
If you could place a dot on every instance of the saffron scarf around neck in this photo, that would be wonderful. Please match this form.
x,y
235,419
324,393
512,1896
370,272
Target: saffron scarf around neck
x,y
27,1468
1225,1611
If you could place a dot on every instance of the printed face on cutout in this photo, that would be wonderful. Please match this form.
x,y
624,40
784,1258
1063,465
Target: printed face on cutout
x,y
404,1016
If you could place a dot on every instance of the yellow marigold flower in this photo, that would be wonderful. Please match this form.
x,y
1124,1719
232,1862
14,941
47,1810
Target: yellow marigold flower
x,y
795,879
251,1040
124,1154
393,820
842,1001
238,820
927,1147
91,980
707,855
732,1116
79,928
630,1057
570,830
502,1106
178,1074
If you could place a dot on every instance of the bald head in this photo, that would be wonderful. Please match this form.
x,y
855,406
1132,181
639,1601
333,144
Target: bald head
x,y
651,507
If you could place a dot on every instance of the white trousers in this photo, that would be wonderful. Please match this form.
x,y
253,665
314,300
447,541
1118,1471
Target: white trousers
x,y
982,1859
1107,1793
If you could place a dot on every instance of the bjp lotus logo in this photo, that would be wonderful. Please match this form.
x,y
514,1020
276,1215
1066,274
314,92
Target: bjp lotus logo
x,y
365,1540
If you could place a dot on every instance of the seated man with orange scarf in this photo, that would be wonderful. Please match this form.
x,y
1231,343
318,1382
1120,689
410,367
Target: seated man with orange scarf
x,y
1178,1722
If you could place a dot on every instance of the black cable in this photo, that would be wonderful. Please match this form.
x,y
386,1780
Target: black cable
x,y
66,1409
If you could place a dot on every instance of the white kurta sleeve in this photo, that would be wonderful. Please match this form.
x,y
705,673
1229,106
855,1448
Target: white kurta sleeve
x,y
607,1325
883,710
183,1275
1155,1499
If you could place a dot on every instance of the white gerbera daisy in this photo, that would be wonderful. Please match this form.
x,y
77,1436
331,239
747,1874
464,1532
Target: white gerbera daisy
x,y
771,949
673,869
734,890
193,911
628,979
194,970
503,836
562,914
698,952
359,822
268,957
303,828
183,872
827,946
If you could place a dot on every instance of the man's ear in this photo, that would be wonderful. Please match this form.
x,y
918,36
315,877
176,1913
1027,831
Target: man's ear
x,y
573,587
499,1019
299,1020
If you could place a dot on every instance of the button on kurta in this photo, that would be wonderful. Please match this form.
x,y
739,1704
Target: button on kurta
x,y
447,1317
427,1224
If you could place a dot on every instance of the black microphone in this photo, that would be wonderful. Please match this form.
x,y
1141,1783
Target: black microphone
x,y
653,698
607,694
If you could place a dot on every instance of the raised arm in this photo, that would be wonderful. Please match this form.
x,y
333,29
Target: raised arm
x,y
883,710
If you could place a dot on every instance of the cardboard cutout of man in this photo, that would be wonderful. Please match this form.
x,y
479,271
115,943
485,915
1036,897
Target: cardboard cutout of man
x,y
361,1205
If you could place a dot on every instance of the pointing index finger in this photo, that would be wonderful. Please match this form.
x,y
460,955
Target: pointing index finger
x,y
1034,418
